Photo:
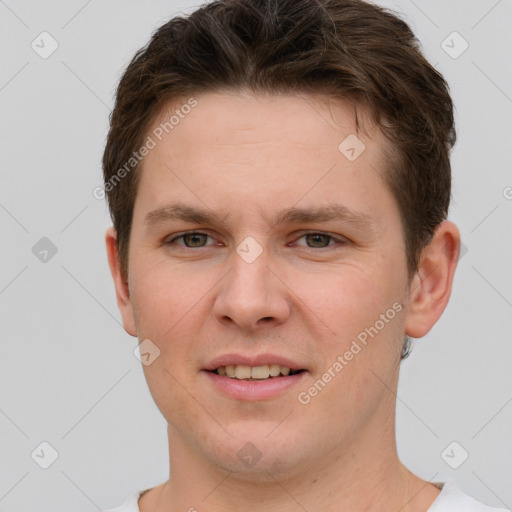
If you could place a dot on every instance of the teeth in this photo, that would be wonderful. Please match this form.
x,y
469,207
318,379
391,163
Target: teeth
x,y
275,370
260,372
241,371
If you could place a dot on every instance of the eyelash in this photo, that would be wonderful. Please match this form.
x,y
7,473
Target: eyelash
x,y
339,240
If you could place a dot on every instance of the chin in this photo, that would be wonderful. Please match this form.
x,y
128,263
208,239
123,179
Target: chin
x,y
259,454
269,468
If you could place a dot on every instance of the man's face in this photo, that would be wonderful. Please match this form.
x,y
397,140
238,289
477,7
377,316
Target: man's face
x,y
300,290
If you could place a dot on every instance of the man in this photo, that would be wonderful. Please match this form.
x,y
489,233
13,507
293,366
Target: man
x,y
278,177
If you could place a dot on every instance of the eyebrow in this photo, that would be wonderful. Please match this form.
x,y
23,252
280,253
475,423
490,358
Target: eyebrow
x,y
186,213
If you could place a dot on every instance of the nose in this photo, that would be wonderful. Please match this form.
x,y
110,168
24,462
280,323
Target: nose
x,y
252,294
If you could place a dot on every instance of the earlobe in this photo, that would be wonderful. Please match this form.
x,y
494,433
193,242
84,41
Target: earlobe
x,y
121,285
432,284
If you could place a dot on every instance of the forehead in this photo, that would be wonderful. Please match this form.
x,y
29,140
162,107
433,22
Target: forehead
x,y
239,114
239,145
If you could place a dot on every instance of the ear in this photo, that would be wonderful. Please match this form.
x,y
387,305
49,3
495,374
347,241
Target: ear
x,y
432,284
120,282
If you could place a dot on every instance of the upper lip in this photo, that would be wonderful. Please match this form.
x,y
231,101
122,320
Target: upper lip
x,y
254,360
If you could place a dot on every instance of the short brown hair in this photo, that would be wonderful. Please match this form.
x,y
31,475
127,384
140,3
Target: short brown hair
x,y
346,49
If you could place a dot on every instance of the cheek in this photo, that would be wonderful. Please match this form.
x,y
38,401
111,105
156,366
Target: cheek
x,y
168,311
163,297
358,357
171,308
345,299
358,317
172,396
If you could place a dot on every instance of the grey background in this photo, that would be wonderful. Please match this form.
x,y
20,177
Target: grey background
x,y
68,375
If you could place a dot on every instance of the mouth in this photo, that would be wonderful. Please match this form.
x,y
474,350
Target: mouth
x,y
255,373
264,377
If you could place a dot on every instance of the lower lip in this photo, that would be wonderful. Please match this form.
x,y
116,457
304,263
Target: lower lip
x,y
254,389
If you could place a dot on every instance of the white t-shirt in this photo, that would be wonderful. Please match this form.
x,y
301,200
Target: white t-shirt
x,y
450,499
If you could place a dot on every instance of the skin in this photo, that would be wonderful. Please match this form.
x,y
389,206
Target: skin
x,y
246,157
